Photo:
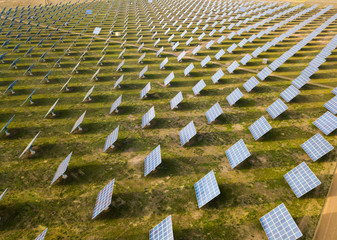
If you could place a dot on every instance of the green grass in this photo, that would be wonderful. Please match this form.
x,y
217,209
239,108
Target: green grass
x,y
138,202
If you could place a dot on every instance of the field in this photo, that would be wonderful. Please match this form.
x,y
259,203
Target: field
x,y
139,203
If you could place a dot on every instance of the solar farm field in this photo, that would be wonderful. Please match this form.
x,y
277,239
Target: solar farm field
x,y
55,57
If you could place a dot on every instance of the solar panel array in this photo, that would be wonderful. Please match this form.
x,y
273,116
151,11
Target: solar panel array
x,y
327,123
206,189
61,168
214,112
152,160
301,179
103,200
316,147
259,128
187,133
279,225
276,108
162,231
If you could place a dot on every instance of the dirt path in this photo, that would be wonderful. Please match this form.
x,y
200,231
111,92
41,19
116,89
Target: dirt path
x,y
326,227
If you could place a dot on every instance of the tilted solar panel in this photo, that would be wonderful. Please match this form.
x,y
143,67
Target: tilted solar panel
x,y
316,147
301,179
276,108
327,123
162,231
290,93
250,84
111,139
187,133
237,153
214,112
146,119
198,87
176,100
331,105
279,225
103,199
61,168
152,160
234,97
206,189
42,235
259,128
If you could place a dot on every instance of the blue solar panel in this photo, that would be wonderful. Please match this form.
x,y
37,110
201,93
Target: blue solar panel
x,y
162,231
3,193
316,147
331,105
176,100
250,84
214,112
145,90
216,76
334,91
5,128
198,87
152,160
111,139
264,73
276,108
30,145
168,79
234,97
259,128
187,133
233,66
290,93
301,179
103,199
61,168
42,235
116,104
206,189
279,225
327,123
146,119
78,122
237,153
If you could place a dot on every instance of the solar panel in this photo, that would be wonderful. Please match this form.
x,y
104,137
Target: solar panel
x,y
245,59
78,122
115,105
214,112
327,123
30,146
232,48
300,81
205,61
103,200
145,90
159,51
237,153
259,128
174,47
3,193
276,108
87,96
220,39
188,69
176,100
233,66
61,169
42,235
187,133
152,160
10,87
206,189
142,73
120,66
290,93
219,54
5,129
188,42
146,119
181,55
198,87
316,147
196,50
162,231
51,110
111,139
163,63
334,91
264,73
29,98
141,58
97,30
331,105
250,84
279,225
118,82
234,97
209,44
301,179
168,79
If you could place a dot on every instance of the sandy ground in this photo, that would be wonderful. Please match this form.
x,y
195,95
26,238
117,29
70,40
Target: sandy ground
x,y
326,229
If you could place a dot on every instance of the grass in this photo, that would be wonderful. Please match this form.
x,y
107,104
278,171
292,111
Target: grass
x,y
138,202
